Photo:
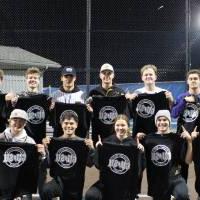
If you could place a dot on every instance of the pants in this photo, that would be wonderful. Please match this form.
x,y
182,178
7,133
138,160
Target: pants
x,y
177,188
95,192
56,188
197,175
184,170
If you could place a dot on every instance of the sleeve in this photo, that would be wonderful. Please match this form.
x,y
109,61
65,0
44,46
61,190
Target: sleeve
x,y
91,157
178,107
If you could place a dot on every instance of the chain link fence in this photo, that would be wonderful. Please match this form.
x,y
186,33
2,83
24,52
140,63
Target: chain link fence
x,y
126,34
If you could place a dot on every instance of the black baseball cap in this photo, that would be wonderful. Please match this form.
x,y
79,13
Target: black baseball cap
x,y
68,71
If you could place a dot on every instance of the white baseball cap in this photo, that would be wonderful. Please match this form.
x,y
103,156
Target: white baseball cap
x,y
18,113
163,113
107,66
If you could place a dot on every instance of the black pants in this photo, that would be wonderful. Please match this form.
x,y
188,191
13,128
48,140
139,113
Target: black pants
x,y
197,176
95,192
56,188
177,188
184,170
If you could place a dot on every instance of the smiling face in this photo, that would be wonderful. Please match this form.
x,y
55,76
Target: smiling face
x,y
33,81
16,125
162,124
121,128
69,127
149,76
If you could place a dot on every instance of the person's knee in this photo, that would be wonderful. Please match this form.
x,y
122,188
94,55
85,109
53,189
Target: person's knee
x,y
45,192
93,194
181,196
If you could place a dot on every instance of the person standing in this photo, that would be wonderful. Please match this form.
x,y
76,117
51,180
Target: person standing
x,y
68,179
186,110
164,152
68,92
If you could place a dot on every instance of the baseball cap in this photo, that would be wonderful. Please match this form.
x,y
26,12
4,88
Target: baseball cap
x,y
107,66
163,113
69,71
18,113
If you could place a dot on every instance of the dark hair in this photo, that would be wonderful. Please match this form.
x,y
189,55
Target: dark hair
x,y
193,71
68,114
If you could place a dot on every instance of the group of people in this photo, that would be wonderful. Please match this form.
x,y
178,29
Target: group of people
x,y
122,155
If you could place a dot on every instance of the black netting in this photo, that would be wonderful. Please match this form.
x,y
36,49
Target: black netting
x,y
127,34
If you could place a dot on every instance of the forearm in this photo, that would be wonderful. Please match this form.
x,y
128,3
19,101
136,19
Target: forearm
x,y
188,156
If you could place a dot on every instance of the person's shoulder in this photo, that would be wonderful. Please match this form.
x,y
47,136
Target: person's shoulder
x,y
30,140
95,91
159,89
139,90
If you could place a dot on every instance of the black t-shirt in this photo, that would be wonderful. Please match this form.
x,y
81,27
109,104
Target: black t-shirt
x,y
68,160
119,170
79,109
18,169
3,119
105,110
190,118
163,155
145,106
37,108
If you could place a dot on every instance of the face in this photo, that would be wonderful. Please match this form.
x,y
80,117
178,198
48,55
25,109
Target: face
x,y
162,125
121,128
106,76
68,81
149,76
17,125
33,80
193,81
69,127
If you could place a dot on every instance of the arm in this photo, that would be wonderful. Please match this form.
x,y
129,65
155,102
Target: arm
x,y
179,106
185,135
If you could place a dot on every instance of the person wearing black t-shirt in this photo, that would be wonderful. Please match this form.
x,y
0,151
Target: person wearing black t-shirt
x,y
164,151
69,183
106,88
108,180
187,111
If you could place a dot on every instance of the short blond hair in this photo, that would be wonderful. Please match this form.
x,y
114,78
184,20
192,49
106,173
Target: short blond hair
x,y
149,66
32,70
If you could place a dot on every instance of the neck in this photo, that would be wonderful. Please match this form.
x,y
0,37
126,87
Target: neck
x,y
150,87
106,85
69,136
68,87
35,90
194,90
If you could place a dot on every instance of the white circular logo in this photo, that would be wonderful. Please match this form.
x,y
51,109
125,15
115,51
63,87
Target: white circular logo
x,y
191,113
66,157
107,114
119,163
14,157
160,155
36,114
145,108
